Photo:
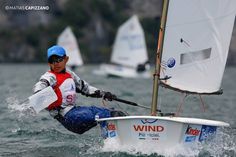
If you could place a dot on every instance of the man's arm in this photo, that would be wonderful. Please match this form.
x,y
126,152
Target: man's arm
x,y
85,89
47,79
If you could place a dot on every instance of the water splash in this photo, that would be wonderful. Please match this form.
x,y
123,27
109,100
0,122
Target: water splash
x,y
223,145
178,150
22,108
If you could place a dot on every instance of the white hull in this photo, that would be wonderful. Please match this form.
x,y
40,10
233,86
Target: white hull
x,y
121,71
158,132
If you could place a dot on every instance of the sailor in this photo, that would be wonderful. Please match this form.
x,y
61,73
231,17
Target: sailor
x,y
66,84
143,67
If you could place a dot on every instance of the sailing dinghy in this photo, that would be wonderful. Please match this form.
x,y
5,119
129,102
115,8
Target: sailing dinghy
x,y
129,56
194,39
68,41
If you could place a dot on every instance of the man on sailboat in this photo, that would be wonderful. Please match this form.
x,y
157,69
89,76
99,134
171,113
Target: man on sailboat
x,y
66,84
143,67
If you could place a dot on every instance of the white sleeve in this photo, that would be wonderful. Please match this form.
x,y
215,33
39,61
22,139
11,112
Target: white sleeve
x,y
82,86
47,79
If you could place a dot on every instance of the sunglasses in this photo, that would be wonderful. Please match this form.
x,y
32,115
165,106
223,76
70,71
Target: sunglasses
x,y
55,60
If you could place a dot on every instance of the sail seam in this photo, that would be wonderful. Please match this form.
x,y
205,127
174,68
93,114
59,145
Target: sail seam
x,y
200,21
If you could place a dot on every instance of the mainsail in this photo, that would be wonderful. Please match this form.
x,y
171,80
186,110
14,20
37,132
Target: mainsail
x,y
130,46
196,44
68,40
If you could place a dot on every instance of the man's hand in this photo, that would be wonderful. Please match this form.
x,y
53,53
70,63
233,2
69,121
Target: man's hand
x,y
105,95
108,96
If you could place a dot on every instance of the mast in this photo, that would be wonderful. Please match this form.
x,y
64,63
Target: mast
x,y
156,74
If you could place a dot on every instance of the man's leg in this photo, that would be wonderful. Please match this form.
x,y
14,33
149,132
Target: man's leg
x,y
82,118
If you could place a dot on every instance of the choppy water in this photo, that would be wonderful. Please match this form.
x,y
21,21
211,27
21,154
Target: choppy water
x,y
41,136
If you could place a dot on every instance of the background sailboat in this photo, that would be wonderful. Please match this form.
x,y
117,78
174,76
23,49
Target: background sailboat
x,y
129,56
68,40
193,44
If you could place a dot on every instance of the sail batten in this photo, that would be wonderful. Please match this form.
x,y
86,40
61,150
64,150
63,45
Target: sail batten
x,y
196,44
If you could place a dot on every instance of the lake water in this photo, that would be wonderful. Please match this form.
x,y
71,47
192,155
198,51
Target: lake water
x,y
23,134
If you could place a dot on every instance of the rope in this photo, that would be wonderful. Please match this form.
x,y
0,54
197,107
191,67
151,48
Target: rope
x,y
162,69
180,104
203,105
122,109
104,103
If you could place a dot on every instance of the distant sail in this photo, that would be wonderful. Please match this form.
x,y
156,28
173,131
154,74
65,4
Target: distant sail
x,y
196,44
130,46
68,40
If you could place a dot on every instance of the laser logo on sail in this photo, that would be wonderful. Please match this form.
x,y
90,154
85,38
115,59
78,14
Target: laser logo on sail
x,y
171,62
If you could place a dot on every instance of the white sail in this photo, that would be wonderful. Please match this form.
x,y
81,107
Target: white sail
x,y
68,40
196,44
130,46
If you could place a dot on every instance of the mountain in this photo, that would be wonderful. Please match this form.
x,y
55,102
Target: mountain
x,y
26,34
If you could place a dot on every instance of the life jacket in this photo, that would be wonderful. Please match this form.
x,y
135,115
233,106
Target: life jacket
x,y
65,90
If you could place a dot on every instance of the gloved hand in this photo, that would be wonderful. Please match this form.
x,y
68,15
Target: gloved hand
x,y
105,95
98,94
109,96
